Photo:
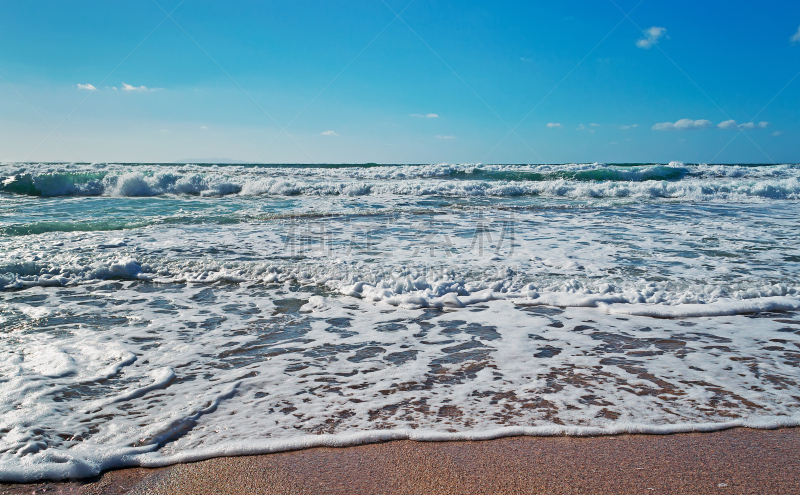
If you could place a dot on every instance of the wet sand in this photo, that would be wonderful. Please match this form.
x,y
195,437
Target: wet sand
x,y
734,461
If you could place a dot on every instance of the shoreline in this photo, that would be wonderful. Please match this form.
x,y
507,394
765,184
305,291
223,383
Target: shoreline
x,y
737,460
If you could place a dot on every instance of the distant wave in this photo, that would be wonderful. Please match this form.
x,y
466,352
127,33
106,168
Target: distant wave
x,y
573,181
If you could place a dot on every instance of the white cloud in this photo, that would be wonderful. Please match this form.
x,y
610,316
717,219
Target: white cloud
x,y
651,37
328,133
128,87
205,128
777,133
445,137
582,127
595,125
682,125
796,37
87,87
553,124
731,124
626,127
425,116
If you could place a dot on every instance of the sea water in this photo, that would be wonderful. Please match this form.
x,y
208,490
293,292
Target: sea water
x,y
153,314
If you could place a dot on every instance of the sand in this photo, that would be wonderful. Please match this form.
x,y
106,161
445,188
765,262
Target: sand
x,y
734,461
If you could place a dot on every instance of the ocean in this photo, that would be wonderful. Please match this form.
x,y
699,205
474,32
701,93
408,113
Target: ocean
x,y
153,314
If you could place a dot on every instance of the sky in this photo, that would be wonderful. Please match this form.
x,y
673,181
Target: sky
x,y
400,81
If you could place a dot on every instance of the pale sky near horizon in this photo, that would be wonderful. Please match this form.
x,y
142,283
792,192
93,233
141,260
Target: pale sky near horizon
x,y
400,82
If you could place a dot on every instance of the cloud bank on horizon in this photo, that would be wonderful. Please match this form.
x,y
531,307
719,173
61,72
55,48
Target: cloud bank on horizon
x,y
731,124
689,124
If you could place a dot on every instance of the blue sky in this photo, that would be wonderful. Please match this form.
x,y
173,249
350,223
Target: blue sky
x,y
399,82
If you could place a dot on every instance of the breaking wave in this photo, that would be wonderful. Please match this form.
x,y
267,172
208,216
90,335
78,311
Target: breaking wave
x,y
674,181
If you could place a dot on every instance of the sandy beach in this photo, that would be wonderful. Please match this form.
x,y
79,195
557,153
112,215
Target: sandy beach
x,y
740,461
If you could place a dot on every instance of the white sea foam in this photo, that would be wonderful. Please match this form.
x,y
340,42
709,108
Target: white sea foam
x,y
449,260
184,312
354,373
716,308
